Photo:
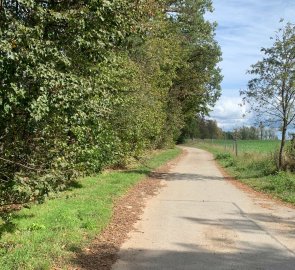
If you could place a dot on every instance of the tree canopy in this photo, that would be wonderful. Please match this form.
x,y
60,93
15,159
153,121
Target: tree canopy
x,y
90,84
271,93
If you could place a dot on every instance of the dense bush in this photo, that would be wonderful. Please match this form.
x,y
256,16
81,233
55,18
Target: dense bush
x,y
89,84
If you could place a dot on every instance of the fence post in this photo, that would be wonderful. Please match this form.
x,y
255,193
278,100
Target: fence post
x,y
236,147
225,142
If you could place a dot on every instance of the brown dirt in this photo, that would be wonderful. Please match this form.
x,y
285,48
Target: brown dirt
x,y
102,252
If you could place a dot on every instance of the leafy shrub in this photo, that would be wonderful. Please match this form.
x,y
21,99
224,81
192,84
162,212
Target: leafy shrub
x,y
288,162
89,84
283,181
221,156
263,165
226,159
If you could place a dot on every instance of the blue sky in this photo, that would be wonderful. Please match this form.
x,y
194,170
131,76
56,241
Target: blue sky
x,y
244,27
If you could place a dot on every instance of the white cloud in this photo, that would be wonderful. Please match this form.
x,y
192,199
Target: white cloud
x,y
244,27
230,114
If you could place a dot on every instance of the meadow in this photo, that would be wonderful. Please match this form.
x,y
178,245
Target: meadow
x,y
244,146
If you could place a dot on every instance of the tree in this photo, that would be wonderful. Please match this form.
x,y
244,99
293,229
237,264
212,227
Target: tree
x,y
271,94
197,85
199,127
61,77
90,84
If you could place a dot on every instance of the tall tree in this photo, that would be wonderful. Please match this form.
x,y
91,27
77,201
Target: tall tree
x,y
197,85
271,93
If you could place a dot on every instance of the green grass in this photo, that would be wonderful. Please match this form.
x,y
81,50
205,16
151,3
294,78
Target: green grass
x,y
254,168
49,233
265,146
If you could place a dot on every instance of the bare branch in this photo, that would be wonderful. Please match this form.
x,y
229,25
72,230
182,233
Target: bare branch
x,y
21,165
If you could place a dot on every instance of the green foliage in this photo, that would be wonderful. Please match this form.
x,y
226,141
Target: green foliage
x,y
199,127
271,93
252,133
288,160
198,80
220,156
87,85
226,158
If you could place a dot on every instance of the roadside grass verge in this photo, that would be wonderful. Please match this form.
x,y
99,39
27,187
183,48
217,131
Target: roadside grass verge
x,y
258,170
43,235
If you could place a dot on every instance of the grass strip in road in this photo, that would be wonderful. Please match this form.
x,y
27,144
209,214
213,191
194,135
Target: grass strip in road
x,y
49,233
256,170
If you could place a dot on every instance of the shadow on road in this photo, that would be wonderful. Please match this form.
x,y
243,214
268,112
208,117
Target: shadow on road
x,y
194,257
190,258
185,177
102,257
248,225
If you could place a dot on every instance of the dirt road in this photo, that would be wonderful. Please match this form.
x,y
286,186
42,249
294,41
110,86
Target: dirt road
x,y
201,221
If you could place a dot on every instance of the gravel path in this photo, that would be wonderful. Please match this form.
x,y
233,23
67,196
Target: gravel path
x,y
201,221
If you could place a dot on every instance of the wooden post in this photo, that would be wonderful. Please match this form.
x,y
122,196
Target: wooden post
x,y
236,147
225,141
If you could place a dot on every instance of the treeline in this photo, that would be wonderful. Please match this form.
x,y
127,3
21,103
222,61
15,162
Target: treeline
x,y
199,127
88,84
252,133
202,128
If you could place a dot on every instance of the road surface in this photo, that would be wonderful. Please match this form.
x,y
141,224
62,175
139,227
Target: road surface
x,y
201,221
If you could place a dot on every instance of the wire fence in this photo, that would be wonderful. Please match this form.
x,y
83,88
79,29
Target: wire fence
x,y
237,147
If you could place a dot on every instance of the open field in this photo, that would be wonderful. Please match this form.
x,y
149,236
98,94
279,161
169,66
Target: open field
x,y
248,146
39,236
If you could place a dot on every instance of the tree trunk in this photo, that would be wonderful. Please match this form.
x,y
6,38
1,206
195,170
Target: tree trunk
x,y
282,145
